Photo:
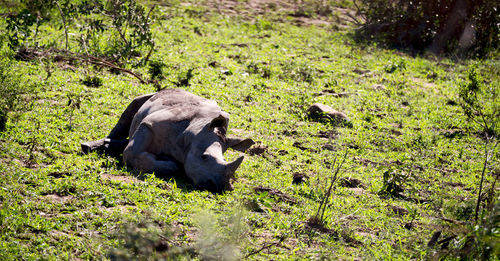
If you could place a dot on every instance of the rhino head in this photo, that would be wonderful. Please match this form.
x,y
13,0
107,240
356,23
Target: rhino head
x,y
204,162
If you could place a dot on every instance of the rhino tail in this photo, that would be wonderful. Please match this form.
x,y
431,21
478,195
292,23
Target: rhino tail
x,y
121,129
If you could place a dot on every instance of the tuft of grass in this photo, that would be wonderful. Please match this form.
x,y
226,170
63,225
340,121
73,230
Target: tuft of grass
x,y
318,218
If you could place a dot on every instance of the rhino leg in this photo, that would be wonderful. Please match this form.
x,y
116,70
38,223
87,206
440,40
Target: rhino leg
x,y
108,146
136,155
121,129
96,145
116,141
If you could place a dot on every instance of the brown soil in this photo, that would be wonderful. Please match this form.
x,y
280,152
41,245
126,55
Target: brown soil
x,y
124,179
291,10
58,199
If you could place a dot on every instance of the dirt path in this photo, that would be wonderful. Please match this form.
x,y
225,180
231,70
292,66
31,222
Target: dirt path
x,y
306,13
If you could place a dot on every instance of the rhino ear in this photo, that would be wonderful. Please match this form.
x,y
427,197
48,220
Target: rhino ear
x,y
219,121
239,144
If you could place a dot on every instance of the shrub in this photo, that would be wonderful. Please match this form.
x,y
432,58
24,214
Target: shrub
x,y
119,29
481,103
441,26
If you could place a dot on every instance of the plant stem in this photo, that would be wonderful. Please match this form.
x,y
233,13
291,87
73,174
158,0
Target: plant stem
x,y
485,165
334,178
324,198
64,23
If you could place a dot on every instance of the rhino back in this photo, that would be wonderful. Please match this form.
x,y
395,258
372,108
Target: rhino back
x,y
175,105
175,118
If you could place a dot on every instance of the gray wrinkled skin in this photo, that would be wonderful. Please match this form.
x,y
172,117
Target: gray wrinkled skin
x,y
174,129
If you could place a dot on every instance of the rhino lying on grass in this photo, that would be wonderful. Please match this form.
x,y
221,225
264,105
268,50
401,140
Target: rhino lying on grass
x,y
173,130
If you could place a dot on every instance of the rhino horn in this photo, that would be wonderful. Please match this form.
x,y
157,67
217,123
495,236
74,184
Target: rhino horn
x,y
231,167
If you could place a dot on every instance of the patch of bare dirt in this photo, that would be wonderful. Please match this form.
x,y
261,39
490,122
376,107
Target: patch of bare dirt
x,y
366,235
297,12
399,210
379,87
59,175
181,230
423,83
328,92
300,146
120,208
266,242
318,226
350,182
58,234
257,150
332,134
57,199
454,184
358,191
119,178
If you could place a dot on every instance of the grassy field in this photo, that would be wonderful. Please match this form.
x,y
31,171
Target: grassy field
x,y
412,168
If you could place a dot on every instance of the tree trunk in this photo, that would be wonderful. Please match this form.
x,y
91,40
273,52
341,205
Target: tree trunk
x,y
456,20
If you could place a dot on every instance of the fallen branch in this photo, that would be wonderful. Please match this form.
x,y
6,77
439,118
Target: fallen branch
x,y
27,54
280,195
102,62
267,246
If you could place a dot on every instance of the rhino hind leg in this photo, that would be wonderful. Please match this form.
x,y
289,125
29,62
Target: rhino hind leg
x,y
91,146
121,129
117,140
106,145
136,156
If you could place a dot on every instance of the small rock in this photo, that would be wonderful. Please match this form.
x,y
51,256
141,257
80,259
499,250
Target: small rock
x,y
323,112
226,72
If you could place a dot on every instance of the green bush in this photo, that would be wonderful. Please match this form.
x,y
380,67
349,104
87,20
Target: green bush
x,y
118,29
481,103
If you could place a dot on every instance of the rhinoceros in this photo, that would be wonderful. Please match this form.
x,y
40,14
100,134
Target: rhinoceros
x,y
173,131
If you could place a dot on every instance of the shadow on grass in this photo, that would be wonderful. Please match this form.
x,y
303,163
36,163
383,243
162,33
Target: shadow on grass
x,y
180,178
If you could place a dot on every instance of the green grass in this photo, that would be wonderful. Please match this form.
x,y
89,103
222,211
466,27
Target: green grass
x,y
59,204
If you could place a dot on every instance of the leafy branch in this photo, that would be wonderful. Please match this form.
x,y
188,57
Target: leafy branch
x,y
481,105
